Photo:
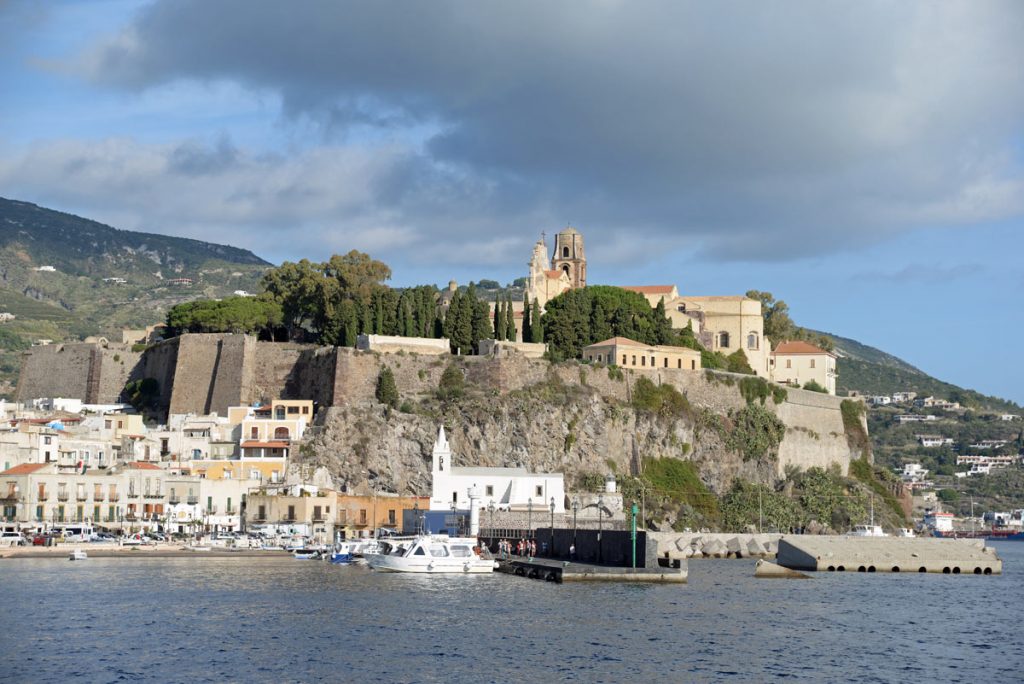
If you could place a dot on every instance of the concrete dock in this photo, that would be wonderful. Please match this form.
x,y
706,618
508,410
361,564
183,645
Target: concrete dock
x,y
567,571
888,554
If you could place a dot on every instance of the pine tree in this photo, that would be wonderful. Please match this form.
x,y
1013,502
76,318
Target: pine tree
x,y
526,335
536,324
662,325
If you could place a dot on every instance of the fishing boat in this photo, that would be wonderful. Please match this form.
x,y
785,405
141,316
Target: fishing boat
x,y
431,554
78,554
905,532
306,554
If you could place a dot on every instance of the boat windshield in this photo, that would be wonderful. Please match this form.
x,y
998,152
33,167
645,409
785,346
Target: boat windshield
x,y
438,550
461,551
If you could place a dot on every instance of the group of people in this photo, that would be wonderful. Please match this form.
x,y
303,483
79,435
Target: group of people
x,y
523,547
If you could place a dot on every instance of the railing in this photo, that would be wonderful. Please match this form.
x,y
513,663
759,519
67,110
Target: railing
x,y
155,495
62,496
81,496
174,500
43,496
98,496
115,497
193,500
319,518
133,495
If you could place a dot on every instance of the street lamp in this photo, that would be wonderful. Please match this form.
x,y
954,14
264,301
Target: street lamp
x,y
600,507
575,509
416,516
454,524
490,509
529,518
552,507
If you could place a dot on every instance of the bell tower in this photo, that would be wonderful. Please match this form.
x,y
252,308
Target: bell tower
x,y
569,256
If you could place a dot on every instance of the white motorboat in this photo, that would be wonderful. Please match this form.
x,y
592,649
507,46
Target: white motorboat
x,y
432,554
78,554
307,554
905,532
867,531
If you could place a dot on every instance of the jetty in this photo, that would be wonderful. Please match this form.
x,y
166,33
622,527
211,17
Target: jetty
x,y
888,554
570,571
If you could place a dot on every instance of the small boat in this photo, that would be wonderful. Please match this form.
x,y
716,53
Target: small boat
x,y
306,554
78,554
344,554
867,531
432,554
905,532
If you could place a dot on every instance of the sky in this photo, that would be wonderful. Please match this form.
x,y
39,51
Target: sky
x,y
863,161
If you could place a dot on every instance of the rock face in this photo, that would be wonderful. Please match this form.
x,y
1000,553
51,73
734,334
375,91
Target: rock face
x,y
573,419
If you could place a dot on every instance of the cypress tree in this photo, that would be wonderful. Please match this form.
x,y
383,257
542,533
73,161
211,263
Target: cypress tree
x,y
387,391
510,321
499,320
536,324
527,335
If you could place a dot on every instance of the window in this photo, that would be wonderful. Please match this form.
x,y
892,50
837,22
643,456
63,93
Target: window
x,y
565,269
565,252
812,363
723,340
538,490
47,440
489,490
229,505
291,512
679,363
623,360
209,504
693,365
281,433
95,512
634,359
419,551
39,512
666,362
106,424
293,409
120,424
305,410
752,341
455,497
789,363
262,515
317,513
254,433
362,516
391,516
652,362
643,360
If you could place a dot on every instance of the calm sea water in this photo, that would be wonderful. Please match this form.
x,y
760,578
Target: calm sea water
x,y
207,620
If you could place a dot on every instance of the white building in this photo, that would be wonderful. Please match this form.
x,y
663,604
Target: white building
x,y
880,400
507,488
931,441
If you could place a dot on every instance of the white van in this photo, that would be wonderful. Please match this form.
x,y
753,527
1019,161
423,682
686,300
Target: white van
x,y
8,538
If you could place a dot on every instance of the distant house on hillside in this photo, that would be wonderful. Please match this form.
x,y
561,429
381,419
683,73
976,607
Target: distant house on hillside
x,y
627,353
798,363
179,281
45,269
6,317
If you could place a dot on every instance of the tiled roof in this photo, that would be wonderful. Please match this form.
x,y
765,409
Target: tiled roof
x,y
626,342
650,289
265,445
25,469
554,275
799,348
142,465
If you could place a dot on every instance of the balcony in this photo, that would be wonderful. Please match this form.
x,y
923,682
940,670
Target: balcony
x,y
81,496
193,500
62,496
115,497
156,495
12,498
133,495
319,518
43,496
98,496
174,500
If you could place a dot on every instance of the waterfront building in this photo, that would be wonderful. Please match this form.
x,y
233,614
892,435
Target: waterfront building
x,y
506,488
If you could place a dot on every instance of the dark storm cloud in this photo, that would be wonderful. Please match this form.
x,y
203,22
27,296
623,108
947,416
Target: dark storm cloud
x,y
748,130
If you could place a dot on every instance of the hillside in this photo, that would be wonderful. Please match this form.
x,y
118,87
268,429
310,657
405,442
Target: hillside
x,y
872,371
73,300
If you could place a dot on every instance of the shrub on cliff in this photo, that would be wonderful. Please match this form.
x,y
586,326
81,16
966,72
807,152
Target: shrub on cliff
x,y
737,363
813,386
662,400
452,384
387,390
756,433
856,435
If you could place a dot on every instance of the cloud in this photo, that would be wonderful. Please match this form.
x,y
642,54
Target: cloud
x,y
734,129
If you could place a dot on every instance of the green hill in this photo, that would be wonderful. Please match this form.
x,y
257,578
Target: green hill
x,y
872,371
53,268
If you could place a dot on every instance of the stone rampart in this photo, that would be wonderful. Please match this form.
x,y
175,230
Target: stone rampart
x,y
93,372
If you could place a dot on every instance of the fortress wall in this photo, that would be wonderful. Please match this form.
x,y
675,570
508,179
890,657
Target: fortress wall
x,y
815,436
292,371
229,372
116,367
208,374
159,362
56,370
355,376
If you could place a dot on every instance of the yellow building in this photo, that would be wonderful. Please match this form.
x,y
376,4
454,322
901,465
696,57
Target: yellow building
x,y
359,516
627,353
797,363
727,323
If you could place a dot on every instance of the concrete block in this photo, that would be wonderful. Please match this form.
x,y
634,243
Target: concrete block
x,y
887,554
767,569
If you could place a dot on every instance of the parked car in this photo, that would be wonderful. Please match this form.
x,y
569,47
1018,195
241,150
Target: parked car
x,y
11,539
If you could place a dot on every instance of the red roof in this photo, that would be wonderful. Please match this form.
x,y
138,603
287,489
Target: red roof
x,y
25,469
799,348
554,275
265,445
143,465
650,289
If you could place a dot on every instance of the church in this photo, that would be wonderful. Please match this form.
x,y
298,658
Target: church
x,y
566,270
506,488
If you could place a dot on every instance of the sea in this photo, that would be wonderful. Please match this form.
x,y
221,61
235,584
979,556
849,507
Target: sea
x,y
284,620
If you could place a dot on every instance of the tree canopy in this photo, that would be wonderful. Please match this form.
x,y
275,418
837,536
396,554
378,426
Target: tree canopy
x,y
779,327
252,315
581,317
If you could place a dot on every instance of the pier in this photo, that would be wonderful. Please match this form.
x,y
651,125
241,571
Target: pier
x,y
888,554
570,571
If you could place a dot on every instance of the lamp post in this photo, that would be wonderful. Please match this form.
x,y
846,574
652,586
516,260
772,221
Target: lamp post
x,y
551,549
529,518
416,516
454,525
490,509
575,509
600,508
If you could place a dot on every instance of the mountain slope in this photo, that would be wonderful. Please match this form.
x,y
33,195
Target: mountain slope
x,y
53,268
872,371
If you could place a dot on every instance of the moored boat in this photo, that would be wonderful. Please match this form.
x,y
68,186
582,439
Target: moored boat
x,y
431,554
78,554
307,554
